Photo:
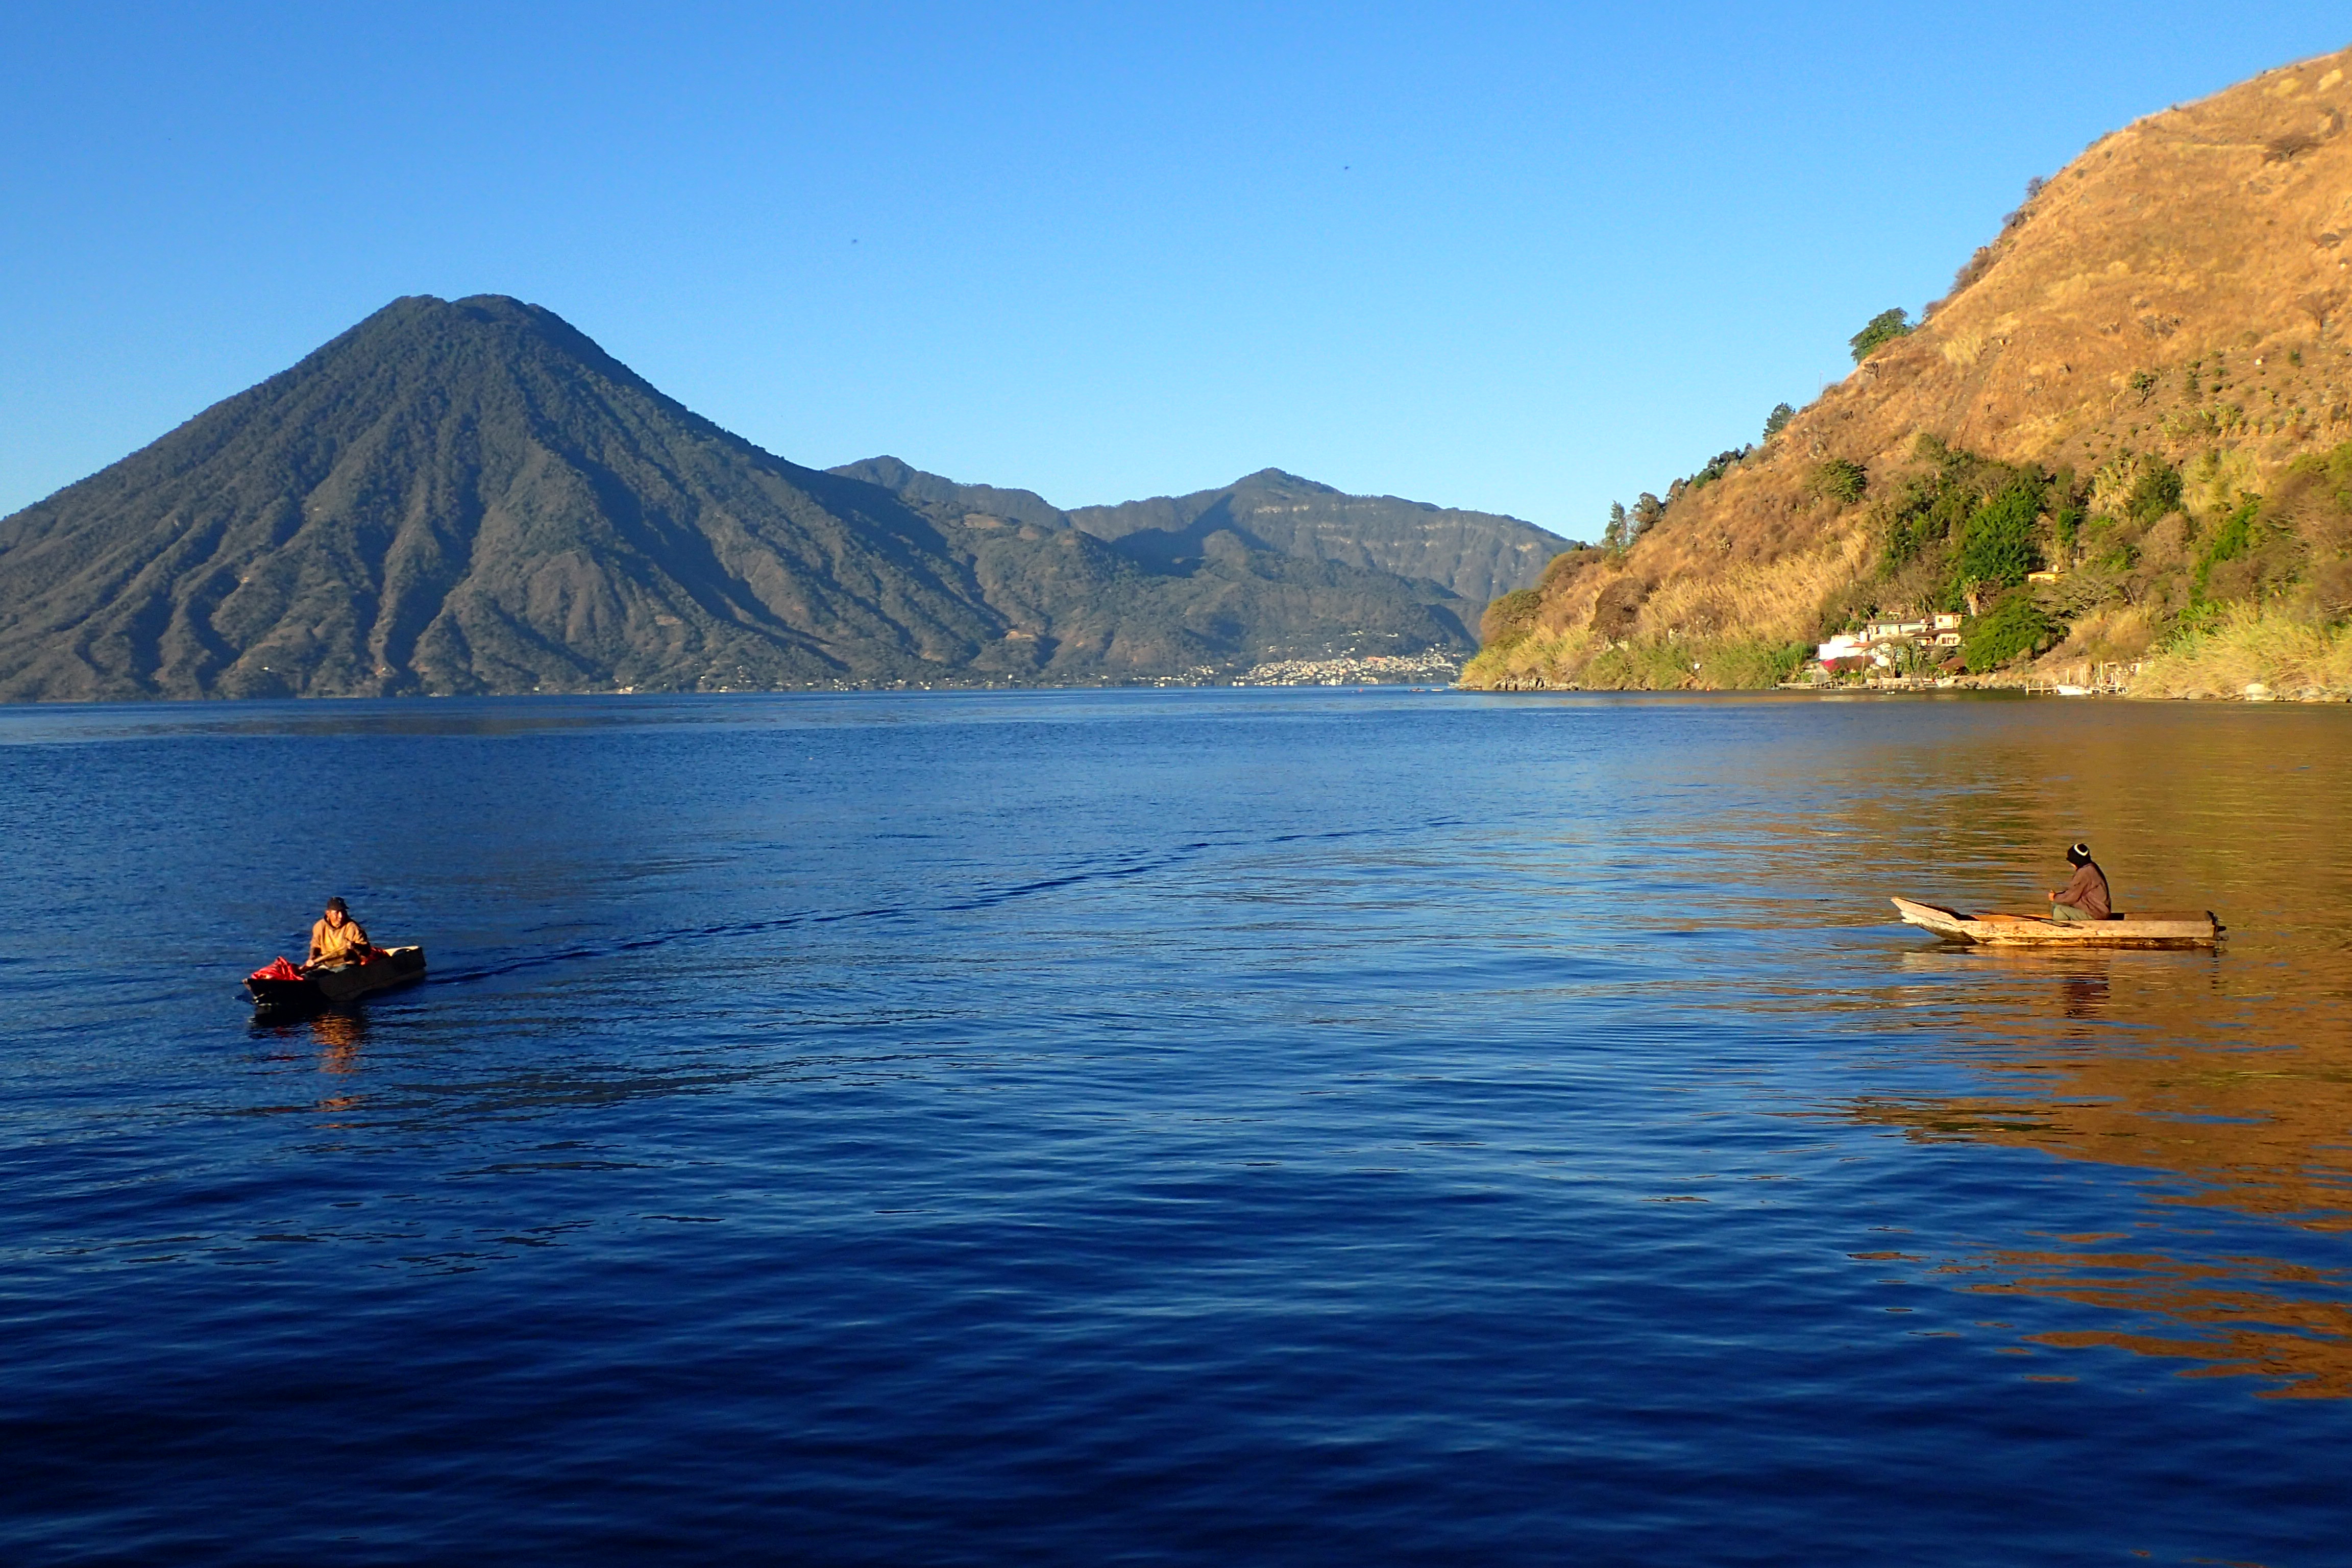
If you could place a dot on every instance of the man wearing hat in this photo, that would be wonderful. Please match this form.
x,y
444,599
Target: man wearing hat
x,y
337,938
2084,898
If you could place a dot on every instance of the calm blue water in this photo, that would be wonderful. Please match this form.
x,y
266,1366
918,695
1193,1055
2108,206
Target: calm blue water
x,y
1173,1127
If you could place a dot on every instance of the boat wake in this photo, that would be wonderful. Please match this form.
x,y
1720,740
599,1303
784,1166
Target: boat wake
x,y
1115,868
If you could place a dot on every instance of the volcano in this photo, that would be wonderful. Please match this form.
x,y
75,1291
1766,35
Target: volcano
x,y
472,496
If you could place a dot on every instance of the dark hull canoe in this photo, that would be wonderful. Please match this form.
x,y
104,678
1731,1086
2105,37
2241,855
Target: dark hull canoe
x,y
2184,928
344,982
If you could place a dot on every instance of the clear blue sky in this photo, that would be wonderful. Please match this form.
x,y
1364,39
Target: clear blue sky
x,y
1513,257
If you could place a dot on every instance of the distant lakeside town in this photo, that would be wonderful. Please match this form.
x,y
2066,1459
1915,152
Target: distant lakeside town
x,y
1365,671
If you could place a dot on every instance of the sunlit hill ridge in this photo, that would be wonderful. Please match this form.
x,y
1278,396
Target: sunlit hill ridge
x,y
2121,443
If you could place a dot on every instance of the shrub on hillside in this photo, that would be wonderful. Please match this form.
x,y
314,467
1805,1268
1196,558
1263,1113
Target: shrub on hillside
x,y
2315,498
1568,563
2330,590
2155,491
2016,628
1882,329
1619,608
1841,481
1778,420
1980,262
1974,267
1719,464
2066,525
2016,216
1931,508
1509,618
2232,540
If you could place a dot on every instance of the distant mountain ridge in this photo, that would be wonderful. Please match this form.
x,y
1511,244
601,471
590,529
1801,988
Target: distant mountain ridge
x,y
471,496
1478,555
934,493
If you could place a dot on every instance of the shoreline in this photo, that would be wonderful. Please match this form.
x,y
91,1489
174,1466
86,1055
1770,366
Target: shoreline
x,y
1901,686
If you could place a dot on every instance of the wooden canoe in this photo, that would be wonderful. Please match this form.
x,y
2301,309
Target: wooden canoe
x,y
342,982
2168,929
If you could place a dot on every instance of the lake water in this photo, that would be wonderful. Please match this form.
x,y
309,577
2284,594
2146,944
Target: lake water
x,y
1190,1126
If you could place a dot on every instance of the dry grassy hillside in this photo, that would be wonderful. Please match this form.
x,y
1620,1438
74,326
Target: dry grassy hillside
x,y
2142,384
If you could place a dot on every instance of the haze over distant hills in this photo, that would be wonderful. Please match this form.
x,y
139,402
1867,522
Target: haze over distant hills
x,y
473,497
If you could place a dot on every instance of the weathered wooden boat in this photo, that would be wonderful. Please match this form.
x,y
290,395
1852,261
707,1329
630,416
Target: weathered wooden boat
x,y
2169,929
281,988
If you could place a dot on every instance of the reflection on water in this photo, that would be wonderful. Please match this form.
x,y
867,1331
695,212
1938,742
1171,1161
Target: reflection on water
x,y
340,1037
333,1037
2252,1316
1209,1127
2264,1138
336,1034
2084,995
2229,1084
2225,1078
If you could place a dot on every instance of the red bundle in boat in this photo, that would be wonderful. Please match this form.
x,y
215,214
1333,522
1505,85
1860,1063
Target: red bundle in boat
x,y
281,970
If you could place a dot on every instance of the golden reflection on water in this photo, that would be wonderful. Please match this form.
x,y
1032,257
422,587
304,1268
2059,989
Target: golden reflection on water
x,y
337,1038
2226,1078
2261,1131
340,1037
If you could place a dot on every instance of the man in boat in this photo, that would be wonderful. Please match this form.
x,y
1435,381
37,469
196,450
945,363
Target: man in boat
x,y
2085,897
337,938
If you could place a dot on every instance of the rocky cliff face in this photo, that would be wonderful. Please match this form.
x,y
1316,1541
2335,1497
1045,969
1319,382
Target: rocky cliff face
x,y
470,496
2153,347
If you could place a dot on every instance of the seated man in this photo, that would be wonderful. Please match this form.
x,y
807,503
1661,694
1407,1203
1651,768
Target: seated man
x,y
337,938
2084,898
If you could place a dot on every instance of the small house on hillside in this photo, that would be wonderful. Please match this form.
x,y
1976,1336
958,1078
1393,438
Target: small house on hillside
x,y
1842,645
1892,631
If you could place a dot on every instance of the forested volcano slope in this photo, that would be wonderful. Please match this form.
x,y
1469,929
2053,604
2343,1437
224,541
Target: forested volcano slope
x,y
473,497
2142,385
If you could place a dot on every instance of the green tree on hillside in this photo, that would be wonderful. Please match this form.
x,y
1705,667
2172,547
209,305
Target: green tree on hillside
x,y
1883,328
1647,510
1616,536
1778,420
1997,546
2016,628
